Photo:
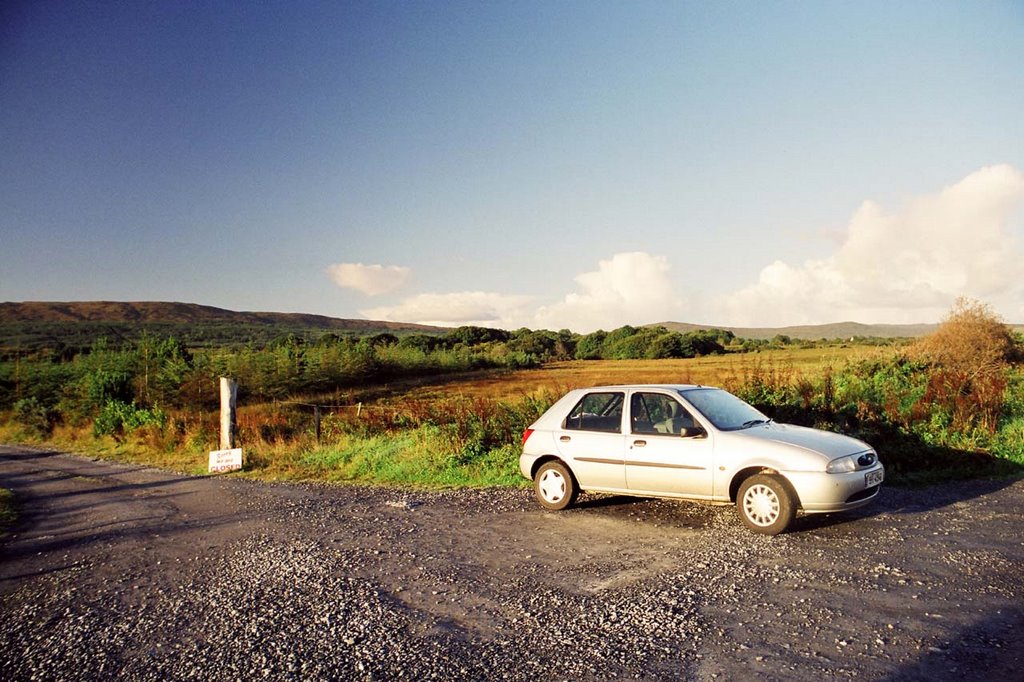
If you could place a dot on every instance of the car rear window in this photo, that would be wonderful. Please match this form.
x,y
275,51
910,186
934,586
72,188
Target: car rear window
x,y
597,412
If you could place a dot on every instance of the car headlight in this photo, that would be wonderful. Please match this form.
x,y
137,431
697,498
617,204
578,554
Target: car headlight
x,y
842,465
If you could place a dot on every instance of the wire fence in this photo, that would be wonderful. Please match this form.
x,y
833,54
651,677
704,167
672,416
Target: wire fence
x,y
319,409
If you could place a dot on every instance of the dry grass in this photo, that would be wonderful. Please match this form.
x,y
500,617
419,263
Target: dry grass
x,y
715,370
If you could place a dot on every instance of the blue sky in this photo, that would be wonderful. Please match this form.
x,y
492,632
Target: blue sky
x,y
569,164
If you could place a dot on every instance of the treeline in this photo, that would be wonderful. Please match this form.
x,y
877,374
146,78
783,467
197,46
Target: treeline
x,y
120,384
167,371
624,343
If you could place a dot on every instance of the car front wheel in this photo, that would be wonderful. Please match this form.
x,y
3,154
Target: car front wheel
x,y
765,504
554,486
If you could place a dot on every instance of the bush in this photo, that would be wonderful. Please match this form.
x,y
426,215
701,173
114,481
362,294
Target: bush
x,y
33,414
970,356
118,418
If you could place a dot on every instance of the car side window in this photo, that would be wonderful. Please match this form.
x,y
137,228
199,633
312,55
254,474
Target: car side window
x,y
654,413
597,412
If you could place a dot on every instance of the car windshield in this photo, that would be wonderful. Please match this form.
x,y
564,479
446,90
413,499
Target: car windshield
x,y
723,409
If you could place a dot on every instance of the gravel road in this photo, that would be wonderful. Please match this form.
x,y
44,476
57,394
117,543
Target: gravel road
x,y
117,570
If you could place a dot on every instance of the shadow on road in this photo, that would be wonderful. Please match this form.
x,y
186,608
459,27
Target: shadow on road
x,y
892,500
901,500
993,649
70,506
135,532
13,454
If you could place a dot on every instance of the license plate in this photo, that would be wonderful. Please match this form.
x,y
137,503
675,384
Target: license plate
x,y
873,478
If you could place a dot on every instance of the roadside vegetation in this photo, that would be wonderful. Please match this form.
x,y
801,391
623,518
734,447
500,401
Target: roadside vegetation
x,y
449,410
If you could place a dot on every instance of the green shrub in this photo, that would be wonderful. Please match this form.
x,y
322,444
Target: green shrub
x,y
33,414
118,418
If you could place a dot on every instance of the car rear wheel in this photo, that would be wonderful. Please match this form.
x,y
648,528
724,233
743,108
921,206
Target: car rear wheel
x,y
765,504
554,486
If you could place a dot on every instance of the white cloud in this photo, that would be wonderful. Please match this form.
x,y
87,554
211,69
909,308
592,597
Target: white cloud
x,y
372,280
628,288
458,308
902,266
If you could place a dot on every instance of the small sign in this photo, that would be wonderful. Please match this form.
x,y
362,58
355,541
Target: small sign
x,y
225,460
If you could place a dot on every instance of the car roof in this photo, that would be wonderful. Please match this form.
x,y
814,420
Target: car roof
x,y
624,387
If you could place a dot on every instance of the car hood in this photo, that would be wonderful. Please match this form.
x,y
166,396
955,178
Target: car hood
x,y
830,444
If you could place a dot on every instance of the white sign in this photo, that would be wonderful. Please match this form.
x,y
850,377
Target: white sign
x,y
225,460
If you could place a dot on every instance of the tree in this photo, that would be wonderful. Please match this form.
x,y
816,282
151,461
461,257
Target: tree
x,y
701,342
538,343
474,336
422,342
383,339
668,345
589,346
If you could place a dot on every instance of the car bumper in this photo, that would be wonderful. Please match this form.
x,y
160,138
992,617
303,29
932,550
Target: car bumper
x,y
821,492
526,463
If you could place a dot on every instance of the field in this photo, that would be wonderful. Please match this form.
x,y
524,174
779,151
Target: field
x,y
712,370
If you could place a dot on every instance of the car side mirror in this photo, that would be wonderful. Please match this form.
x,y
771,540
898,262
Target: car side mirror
x,y
691,432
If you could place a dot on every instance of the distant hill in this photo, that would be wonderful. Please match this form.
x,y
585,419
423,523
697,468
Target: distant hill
x,y
77,324
73,325
838,330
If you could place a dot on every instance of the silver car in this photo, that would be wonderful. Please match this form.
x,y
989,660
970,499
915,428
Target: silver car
x,y
695,443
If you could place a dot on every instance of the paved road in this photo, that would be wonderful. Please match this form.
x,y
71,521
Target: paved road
x,y
143,574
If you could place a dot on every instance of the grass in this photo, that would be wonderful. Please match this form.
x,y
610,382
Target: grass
x,y
414,458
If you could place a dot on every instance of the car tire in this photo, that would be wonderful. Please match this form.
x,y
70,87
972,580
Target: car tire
x,y
765,504
554,486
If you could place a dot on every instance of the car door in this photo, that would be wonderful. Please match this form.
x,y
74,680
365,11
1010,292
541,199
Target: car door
x,y
591,440
661,457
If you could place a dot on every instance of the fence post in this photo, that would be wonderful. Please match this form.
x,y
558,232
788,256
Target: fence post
x,y
316,420
228,406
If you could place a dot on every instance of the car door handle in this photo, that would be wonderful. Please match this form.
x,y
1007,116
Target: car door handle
x,y
639,443
565,439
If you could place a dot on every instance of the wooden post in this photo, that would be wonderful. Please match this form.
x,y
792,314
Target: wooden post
x,y
316,420
228,404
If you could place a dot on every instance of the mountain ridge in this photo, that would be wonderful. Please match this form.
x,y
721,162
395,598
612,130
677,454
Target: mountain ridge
x,y
833,330
177,312
71,326
50,319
